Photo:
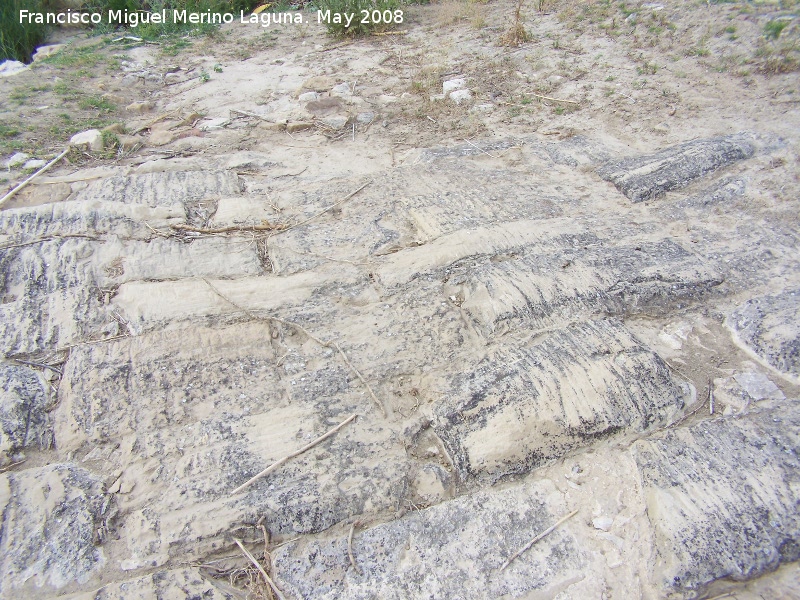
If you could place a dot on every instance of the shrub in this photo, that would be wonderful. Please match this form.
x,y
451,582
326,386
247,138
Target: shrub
x,y
774,28
18,41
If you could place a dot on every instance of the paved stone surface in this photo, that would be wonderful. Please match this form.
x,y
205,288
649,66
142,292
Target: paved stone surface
x,y
519,335
458,545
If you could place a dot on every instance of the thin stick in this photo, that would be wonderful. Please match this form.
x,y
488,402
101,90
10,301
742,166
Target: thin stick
x,y
553,99
481,149
378,33
305,448
710,397
32,177
40,365
350,547
361,378
292,174
700,405
537,538
308,334
238,228
331,207
250,114
12,465
258,566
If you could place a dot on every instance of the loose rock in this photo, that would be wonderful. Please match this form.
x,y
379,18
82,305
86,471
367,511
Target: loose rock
x,y
92,138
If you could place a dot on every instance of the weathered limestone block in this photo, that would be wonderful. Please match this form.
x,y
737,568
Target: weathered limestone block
x,y
49,296
122,261
92,218
51,518
452,550
394,214
163,189
534,271
645,177
769,328
197,412
23,404
522,406
151,304
722,497
174,584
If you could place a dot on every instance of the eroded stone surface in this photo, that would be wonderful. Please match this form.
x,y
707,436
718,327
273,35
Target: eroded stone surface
x,y
224,412
487,294
649,176
455,550
769,328
24,399
520,407
163,189
723,497
175,584
52,517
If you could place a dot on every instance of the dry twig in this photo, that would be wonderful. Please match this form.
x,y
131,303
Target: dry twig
x,y
12,465
32,177
545,533
487,153
361,378
40,365
305,448
350,547
554,99
232,228
322,212
258,566
250,114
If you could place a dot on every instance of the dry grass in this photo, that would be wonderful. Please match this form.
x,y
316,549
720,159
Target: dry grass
x,y
516,34
454,12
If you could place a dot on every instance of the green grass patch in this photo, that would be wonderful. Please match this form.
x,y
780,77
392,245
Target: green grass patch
x,y
96,103
8,131
84,57
773,29
18,41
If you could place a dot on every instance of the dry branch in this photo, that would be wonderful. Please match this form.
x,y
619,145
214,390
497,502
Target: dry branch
x,y
307,333
32,177
258,566
236,228
331,207
250,114
305,448
361,378
350,548
554,99
545,533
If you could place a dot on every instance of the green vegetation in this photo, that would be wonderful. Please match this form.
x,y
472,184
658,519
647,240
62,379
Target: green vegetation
x,y
96,103
773,29
7,131
18,41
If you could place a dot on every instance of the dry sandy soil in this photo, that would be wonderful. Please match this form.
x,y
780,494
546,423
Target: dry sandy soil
x,y
570,299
